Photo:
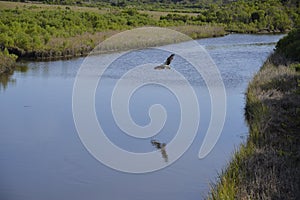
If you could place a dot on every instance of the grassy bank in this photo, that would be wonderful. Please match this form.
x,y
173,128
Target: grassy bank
x,y
267,166
81,45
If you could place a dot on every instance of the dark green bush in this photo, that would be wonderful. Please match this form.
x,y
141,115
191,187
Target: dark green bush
x,y
289,46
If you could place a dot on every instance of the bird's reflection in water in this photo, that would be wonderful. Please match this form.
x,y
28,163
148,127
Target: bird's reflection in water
x,y
161,147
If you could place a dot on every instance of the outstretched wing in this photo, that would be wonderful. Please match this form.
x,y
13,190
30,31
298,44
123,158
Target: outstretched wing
x,y
169,59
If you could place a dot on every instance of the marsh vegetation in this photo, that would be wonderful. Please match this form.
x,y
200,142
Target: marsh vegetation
x,y
267,166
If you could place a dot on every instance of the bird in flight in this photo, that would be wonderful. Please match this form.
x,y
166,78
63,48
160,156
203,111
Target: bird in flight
x,y
167,63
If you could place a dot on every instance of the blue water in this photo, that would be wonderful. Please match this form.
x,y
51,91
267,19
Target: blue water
x,y
42,156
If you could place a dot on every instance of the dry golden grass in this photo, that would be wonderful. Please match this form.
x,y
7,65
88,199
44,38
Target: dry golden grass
x,y
40,6
203,31
141,38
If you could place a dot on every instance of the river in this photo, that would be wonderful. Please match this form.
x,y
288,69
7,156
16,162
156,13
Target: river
x,y
42,156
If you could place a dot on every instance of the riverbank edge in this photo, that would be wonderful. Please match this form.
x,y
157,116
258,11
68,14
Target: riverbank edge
x,y
51,54
267,165
70,51
9,56
88,42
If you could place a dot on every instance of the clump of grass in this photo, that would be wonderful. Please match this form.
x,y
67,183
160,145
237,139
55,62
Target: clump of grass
x,y
230,179
7,61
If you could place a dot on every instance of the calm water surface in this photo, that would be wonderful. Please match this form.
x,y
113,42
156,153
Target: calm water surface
x,y
42,157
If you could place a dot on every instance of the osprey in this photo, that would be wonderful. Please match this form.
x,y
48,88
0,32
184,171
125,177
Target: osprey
x,y
167,63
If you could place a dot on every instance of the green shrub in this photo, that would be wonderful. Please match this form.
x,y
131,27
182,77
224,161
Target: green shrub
x,y
289,46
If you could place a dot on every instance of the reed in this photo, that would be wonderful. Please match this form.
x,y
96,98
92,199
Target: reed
x,y
203,31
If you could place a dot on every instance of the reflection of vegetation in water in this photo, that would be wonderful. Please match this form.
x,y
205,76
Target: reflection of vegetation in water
x,y
162,147
6,78
21,68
